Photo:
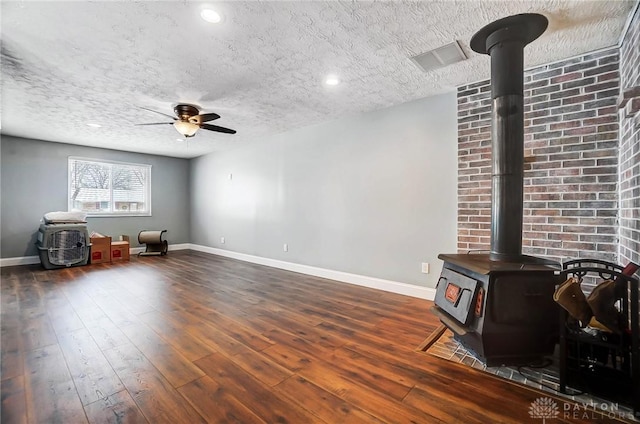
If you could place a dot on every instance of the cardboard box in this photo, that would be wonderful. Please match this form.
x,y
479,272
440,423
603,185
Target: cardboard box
x,y
100,249
119,251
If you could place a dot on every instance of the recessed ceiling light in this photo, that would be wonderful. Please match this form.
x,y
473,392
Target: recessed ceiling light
x,y
211,15
332,80
92,125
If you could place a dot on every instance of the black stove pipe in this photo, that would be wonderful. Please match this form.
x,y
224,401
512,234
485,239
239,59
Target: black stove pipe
x,y
504,40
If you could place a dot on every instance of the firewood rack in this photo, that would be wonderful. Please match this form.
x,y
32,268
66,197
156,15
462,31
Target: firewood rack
x,y
604,364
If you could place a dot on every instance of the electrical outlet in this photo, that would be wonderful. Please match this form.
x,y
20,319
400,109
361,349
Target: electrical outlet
x,y
285,247
222,240
231,176
425,267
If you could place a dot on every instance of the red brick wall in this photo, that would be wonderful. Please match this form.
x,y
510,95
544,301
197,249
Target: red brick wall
x,y
571,140
629,231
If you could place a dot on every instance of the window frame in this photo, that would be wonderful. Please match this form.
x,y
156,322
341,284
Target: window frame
x,y
103,162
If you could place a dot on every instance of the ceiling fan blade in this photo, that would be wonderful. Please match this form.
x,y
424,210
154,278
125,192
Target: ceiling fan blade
x,y
156,123
206,117
217,128
161,113
199,119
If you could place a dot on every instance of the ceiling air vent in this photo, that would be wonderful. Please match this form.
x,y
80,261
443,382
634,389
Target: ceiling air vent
x,y
442,56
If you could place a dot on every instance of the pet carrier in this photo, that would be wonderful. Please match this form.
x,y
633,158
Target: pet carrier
x,y
63,245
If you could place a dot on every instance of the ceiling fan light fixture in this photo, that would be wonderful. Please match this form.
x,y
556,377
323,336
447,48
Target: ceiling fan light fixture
x,y
211,16
186,128
189,120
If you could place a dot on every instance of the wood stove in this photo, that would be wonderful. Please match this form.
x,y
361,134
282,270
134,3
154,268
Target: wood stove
x,y
510,317
500,305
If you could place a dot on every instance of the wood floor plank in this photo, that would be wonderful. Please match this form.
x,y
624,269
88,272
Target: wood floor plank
x,y
50,393
239,332
64,318
216,339
106,334
298,343
91,372
82,303
173,333
260,366
354,332
375,403
11,363
9,301
447,410
258,397
312,334
216,404
116,312
119,290
288,357
372,373
177,369
29,293
14,404
118,408
36,328
274,308
347,364
322,403
155,396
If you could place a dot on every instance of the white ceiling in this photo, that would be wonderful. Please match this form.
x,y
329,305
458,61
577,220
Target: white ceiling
x,y
66,64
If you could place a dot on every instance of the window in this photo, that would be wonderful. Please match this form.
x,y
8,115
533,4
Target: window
x,y
102,188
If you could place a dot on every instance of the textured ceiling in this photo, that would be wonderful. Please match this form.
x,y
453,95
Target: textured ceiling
x,y
66,64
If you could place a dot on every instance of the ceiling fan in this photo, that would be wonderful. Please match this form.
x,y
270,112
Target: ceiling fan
x,y
189,120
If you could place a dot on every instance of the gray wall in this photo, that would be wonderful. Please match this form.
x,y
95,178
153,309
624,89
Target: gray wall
x,y
34,181
372,194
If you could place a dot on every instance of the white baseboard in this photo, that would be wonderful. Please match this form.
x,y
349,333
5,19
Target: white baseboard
x,y
30,260
345,277
182,246
22,260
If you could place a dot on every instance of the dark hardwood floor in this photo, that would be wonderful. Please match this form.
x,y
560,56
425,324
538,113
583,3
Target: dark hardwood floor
x,y
193,337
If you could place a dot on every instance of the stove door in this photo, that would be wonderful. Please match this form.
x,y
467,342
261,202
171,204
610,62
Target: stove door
x,y
455,294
